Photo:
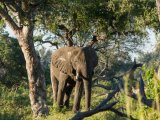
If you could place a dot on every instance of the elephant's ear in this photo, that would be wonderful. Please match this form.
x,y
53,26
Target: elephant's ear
x,y
61,62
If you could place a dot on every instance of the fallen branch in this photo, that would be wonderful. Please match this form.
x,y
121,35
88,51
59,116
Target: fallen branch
x,y
81,115
103,106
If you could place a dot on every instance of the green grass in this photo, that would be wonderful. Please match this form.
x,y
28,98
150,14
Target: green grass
x,y
15,105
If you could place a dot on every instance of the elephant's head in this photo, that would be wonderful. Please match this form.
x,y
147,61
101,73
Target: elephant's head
x,y
84,62
75,61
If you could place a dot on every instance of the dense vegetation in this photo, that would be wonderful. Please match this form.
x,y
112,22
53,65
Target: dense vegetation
x,y
11,61
122,25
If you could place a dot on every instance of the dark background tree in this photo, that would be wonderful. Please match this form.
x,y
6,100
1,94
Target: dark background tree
x,y
12,61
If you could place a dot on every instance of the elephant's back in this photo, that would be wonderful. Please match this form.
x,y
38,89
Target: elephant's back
x,y
63,50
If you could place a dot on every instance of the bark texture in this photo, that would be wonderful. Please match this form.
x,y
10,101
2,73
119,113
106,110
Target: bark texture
x,y
37,86
24,13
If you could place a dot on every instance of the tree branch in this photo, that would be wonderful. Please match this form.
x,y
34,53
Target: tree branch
x,y
123,33
53,44
8,20
81,115
141,87
15,6
94,40
43,42
103,106
68,34
72,32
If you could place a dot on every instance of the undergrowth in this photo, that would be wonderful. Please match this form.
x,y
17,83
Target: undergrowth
x,y
15,104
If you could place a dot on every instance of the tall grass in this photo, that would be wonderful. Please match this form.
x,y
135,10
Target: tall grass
x,y
15,105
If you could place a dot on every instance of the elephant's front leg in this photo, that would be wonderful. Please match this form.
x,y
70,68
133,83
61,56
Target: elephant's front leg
x,y
61,91
87,88
77,95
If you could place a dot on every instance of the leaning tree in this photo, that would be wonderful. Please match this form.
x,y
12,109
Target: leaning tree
x,y
20,15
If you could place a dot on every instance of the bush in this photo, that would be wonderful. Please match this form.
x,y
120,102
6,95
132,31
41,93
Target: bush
x,y
12,63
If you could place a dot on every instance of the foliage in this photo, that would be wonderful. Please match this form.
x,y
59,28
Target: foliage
x,y
16,99
110,15
151,82
113,62
124,23
14,102
151,64
117,19
12,61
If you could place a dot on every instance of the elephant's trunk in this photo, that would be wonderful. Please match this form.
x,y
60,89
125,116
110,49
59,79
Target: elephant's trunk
x,y
82,72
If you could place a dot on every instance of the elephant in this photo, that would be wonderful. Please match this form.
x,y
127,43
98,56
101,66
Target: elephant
x,y
72,67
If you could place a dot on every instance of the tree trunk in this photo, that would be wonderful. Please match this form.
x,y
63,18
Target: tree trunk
x,y
37,86
22,23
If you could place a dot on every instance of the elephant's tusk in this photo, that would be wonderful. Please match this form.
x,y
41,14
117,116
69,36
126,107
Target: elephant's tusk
x,y
77,76
73,77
